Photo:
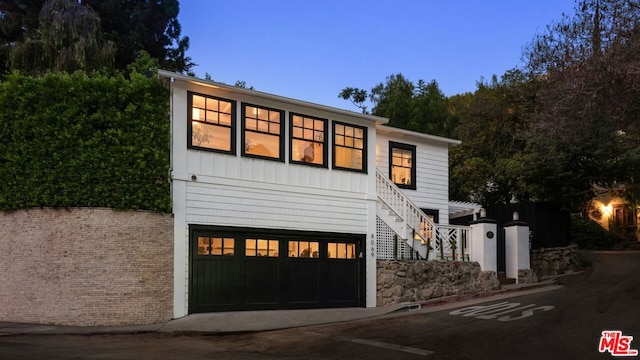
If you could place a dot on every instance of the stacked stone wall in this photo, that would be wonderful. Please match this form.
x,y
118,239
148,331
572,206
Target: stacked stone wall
x,y
556,261
412,281
86,266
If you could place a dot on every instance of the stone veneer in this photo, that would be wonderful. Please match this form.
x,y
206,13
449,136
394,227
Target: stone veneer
x,y
86,266
411,281
556,261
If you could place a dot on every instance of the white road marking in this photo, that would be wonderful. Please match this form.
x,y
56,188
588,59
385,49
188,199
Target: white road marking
x,y
395,347
495,311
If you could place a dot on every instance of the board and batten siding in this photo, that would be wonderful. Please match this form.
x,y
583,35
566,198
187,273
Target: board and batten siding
x,y
432,169
211,188
232,190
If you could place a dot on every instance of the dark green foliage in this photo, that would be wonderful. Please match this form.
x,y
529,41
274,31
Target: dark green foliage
x,y
588,235
422,107
152,26
18,20
75,140
69,38
37,36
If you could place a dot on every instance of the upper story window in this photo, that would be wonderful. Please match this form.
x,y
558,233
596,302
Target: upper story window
x,y
262,132
402,165
212,123
308,140
349,147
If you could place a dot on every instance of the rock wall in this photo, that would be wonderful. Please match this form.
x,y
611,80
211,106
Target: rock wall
x,y
556,261
411,281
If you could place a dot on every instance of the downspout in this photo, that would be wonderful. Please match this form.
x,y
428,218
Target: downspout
x,y
171,81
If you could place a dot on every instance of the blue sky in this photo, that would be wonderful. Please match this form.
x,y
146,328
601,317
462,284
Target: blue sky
x,y
310,50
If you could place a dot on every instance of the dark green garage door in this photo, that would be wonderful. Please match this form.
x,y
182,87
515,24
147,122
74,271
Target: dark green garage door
x,y
259,269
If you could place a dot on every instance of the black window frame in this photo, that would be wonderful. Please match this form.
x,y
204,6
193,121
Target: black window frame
x,y
435,213
365,147
325,142
414,177
190,121
243,129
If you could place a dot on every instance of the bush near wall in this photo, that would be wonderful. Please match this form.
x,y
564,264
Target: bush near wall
x,y
78,140
589,235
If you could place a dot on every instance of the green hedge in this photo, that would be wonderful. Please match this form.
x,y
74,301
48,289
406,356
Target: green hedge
x,y
589,235
73,140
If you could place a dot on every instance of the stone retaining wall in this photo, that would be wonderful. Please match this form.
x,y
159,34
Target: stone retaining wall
x,y
411,281
556,261
86,266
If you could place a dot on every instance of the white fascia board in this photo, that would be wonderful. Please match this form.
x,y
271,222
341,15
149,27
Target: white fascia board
x,y
258,94
417,135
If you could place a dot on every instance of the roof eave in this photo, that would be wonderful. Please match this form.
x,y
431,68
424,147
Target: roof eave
x,y
418,135
254,93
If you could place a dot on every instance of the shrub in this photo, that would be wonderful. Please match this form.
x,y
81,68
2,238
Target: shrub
x,y
74,140
589,235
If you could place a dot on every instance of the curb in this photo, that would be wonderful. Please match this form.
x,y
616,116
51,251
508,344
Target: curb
x,y
15,329
550,282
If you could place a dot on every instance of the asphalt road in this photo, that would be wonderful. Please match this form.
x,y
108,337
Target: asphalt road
x,y
565,323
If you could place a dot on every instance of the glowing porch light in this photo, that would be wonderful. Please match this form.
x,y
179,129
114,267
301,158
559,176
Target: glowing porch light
x,y
607,210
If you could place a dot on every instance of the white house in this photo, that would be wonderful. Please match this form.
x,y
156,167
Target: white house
x,y
280,203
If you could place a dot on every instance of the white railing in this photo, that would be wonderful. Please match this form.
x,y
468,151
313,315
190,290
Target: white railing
x,y
452,242
446,242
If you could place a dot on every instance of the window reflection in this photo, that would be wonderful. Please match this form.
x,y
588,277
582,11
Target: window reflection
x,y
308,139
211,122
263,128
349,147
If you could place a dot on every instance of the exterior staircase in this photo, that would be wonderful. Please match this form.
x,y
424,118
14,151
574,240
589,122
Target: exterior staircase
x,y
428,239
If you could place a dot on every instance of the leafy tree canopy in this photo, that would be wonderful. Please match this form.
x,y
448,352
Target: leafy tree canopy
x,y
152,26
550,131
421,107
586,130
37,36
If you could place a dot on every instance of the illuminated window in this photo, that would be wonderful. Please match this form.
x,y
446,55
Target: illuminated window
x,y
216,246
261,247
341,251
262,132
212,123
308,140
304,249
349,147
402,165
624,216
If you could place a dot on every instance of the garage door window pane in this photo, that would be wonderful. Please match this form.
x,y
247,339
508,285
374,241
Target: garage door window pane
x,y
204,245
222,246
341,251
261,247
304,249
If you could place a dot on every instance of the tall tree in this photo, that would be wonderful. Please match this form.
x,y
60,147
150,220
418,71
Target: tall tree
x,y
68,38
586,131
152,26
488,166
422,108
18,20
